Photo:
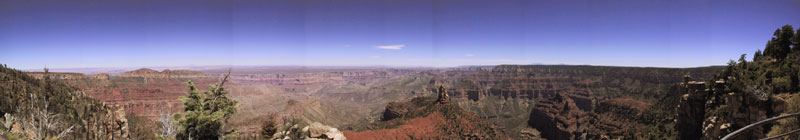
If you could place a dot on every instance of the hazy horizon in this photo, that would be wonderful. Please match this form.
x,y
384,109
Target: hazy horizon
x,y
118,70
439,33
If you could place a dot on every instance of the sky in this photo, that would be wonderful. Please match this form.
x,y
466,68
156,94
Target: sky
x,y
430,33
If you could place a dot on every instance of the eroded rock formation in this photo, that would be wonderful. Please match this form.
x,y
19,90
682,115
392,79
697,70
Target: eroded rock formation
x,y
559,118
708,113
100,76
396,110
691,109
442,96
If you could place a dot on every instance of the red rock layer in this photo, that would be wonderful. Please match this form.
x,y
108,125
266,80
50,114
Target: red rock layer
x,y
444,121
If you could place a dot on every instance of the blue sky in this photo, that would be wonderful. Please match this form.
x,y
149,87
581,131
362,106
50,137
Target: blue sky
x,y
440,33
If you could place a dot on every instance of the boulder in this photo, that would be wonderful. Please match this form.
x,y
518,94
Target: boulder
x,y
317,131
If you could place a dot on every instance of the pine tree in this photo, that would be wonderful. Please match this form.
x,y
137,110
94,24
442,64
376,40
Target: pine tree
x,y
743,61
757,55
206,113
780,45
797,39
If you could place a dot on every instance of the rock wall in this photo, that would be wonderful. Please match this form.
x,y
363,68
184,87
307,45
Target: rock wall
x,y
691,110
585,86
559,118
708,113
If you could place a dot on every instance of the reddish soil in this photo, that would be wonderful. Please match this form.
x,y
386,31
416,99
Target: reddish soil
x,y
437,120
425,127
143,97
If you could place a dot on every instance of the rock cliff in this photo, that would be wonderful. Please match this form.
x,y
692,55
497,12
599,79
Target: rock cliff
x,y
630,97
559,118
691,110
706,112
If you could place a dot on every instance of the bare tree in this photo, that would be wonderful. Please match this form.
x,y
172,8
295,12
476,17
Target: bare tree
x,y
9,121
42,122
168,129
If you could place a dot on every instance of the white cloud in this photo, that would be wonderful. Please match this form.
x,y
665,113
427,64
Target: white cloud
x,y
392,47
469,55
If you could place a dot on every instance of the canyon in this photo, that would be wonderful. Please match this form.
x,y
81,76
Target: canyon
x,y
556,101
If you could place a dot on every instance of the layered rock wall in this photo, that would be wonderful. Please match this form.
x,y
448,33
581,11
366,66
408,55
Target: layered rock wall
x,y
691,110
709,113
559,118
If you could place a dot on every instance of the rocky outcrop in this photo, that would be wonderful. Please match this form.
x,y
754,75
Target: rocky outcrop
x,y
443,97
707,113
691,109
399,109
741,109
317,131
100,76
559,118
396,110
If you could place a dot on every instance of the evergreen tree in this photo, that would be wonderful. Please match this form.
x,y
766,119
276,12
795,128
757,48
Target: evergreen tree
x,y
206,113
780,45
785,37
757,55
797,39
770,50
743,61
